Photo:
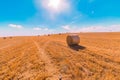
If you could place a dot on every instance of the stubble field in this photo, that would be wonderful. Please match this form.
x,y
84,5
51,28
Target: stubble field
x,y
49,58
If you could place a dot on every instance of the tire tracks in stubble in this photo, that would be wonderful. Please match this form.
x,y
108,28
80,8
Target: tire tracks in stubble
x,y
88,56
50,68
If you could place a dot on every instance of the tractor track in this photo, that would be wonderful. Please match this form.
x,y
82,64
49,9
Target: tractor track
x,y
50,68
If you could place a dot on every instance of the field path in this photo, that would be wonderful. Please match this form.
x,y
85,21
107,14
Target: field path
x,y
4,47
50,68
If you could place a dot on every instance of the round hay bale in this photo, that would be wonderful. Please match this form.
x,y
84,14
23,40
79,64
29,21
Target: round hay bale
x,y
4,37
10,37
60,33
73,39
38,35
48,34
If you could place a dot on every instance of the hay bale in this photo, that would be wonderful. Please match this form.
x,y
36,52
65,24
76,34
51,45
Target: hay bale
x,y
4,37
38,35
60,33
48,34
10,37
73,39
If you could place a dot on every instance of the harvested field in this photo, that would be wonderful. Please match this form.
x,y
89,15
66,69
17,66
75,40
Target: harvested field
x,y
97,57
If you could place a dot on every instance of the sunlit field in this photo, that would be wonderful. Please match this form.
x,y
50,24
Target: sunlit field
x,y
97,57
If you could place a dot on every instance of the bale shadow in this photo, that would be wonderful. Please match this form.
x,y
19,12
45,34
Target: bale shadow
x,y
77,47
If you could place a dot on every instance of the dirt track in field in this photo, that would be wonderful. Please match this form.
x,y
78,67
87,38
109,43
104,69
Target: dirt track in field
x,y
49,58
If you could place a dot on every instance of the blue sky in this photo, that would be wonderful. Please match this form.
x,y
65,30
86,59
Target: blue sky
x,y
32,17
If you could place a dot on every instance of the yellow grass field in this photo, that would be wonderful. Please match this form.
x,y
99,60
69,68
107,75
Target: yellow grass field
x,y
49,58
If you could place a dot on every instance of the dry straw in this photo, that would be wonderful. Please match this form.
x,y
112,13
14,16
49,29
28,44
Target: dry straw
x,y
73,39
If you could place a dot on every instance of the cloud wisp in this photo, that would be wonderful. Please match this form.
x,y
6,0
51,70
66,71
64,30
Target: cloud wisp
x,y
15,26
40,29
112,28
37,29
66,27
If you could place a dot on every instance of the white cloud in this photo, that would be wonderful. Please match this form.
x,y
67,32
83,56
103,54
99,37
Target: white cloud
x,y
37,29
46,29
78,16
41,29
15,26
112,28
66,27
